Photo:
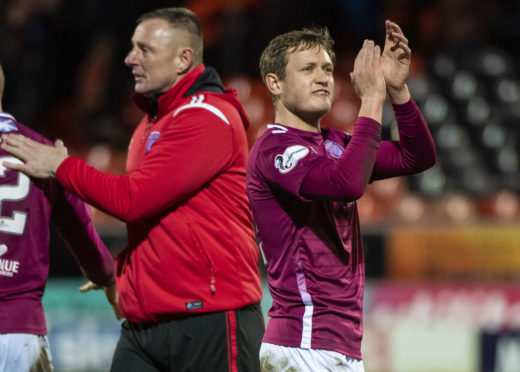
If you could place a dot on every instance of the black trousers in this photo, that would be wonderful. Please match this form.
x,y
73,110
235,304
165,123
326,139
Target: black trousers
x,y
225,341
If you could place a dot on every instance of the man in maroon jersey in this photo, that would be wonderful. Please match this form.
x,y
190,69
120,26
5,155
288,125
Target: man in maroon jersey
x,y
188,281
303,182
27,207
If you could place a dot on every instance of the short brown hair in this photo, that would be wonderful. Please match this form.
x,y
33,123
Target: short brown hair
x,y
274,57
184,19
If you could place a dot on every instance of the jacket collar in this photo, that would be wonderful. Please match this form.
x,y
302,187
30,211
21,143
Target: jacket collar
x,y
198,80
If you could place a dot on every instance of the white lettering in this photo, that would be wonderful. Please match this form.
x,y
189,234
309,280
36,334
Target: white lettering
x,y
14,224
8,268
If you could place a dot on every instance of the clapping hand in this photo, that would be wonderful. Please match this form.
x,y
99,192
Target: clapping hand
x,y
395,62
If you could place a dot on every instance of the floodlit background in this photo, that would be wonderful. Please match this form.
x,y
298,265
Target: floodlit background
x,y
442,248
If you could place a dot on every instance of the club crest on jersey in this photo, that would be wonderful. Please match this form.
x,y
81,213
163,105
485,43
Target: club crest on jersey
x,y
288,160
154,136
335,150
7,125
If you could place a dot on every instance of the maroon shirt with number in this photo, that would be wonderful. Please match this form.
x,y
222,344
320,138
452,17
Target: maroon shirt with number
x,y
27,207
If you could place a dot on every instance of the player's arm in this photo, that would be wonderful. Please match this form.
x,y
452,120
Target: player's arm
x,y
318,177
415,150
187,155
348,177
291,164
72,217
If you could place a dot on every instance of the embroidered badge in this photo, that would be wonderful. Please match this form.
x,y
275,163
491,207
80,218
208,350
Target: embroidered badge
x,y
334,149
288,160
195,305
7,125
154,136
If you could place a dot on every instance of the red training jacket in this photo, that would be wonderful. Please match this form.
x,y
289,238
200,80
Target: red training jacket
x,y
191,246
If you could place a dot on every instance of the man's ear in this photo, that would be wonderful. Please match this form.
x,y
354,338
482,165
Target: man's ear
x,y
185,58
273,84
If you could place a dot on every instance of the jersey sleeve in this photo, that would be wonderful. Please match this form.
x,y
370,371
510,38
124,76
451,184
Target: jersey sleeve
x,y
347,178
284,160
415,150
72,217
291,164
189,153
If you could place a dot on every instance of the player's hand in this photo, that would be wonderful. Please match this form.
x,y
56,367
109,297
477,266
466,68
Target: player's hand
x,y
110,293
40,161
395,60
367,76
369,83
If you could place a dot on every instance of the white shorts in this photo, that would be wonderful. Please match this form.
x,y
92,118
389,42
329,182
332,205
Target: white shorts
x,y
21,352
276,358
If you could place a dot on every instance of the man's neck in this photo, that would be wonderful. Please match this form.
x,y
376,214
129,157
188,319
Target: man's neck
x,y
290,119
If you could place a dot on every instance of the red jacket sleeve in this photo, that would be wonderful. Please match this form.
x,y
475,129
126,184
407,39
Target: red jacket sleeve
x,y
191,150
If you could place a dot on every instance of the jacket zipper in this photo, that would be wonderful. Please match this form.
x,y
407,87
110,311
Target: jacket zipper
x,y
212,279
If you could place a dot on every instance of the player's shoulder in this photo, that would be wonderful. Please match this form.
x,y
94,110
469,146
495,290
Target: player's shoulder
x,y
279,136
276,133
280,148
8,124
205,104
279,142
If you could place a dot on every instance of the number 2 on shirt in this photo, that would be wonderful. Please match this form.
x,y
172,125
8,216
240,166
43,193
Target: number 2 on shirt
x,y
19,191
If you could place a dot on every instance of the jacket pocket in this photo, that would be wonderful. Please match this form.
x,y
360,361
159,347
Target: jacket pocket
x,y
205,258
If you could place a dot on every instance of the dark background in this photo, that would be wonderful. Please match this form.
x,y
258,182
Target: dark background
x,y
65,77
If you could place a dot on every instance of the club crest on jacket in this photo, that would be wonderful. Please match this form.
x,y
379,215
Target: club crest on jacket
x,y
154,136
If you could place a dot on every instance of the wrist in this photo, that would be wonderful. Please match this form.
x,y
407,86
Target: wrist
x,y
372,107
400,95
373,100
58,161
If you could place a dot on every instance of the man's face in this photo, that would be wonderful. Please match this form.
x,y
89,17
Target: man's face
x,y
308,87
154,56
